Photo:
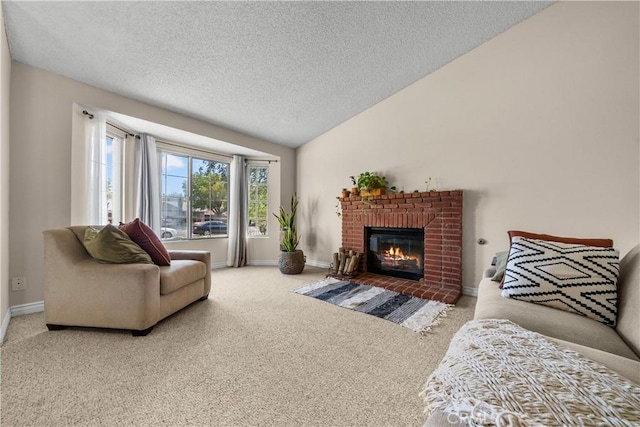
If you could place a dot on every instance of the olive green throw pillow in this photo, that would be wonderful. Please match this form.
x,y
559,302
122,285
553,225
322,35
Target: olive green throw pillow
x,y
113,246
501,265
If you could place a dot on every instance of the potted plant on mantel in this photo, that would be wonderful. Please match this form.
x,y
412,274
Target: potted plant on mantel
x,y
354,190
291,259
372,184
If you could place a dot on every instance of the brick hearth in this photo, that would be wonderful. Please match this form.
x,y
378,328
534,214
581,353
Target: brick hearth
x,y
439,213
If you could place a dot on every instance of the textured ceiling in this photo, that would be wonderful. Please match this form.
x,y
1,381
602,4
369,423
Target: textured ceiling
x,y
281,71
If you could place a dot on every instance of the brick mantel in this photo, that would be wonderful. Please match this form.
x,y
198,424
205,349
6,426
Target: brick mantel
x,y
439,213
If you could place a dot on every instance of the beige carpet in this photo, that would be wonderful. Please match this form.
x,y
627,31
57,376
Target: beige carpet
x,y
254,354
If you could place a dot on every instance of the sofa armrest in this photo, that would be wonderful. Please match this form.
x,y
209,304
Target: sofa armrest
x,y
89,293
489,272
80,291
203,256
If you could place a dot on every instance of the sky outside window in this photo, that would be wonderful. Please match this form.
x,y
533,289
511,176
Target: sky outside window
x,y
175,170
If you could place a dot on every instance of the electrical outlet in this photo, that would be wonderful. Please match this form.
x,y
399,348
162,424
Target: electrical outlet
x,y
18,283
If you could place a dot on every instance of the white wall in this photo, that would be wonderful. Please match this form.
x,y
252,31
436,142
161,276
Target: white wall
x,y
41,134
539,127
5,83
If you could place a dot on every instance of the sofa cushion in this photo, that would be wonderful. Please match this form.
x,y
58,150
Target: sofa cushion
x,y
629,299
571,277
144,236
113,246
180,273
628,368
549,321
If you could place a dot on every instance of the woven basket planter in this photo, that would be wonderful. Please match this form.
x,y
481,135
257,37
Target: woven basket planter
x,y
374,192
291,262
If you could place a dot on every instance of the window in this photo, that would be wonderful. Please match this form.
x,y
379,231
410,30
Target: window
x,y
258,206
209,196
175,197
110,192
194,196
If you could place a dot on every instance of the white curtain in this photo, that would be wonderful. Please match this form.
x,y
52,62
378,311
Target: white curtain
x,y
116,187
238,207
147,188
87,171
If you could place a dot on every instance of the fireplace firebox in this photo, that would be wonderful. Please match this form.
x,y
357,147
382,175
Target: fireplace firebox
x,y
397,252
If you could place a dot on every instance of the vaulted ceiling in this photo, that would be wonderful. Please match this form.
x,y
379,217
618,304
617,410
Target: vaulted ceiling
x,y
285,72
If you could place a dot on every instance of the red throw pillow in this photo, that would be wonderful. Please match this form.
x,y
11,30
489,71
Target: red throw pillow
x,y
601,243
144,236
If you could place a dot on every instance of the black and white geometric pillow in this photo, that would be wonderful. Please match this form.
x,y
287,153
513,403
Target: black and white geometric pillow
x,y
577,278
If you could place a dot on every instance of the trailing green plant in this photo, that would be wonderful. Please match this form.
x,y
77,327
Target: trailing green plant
x,y
289,238
370,181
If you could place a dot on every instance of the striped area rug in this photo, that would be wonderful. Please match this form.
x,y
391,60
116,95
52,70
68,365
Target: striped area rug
x,y
411,312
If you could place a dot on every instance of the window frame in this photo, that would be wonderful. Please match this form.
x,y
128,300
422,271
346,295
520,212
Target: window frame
x,y
190,154
257,164
119,166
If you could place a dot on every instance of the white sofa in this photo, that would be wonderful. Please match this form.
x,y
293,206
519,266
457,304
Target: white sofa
x,y
616,348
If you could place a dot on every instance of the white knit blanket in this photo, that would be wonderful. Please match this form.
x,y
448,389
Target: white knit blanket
x,y
497,373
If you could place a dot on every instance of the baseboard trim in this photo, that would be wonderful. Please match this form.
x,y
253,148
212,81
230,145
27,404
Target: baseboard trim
x,y
29,308
318,264
218,265
264,263
470,291
274,263
19,310
5,325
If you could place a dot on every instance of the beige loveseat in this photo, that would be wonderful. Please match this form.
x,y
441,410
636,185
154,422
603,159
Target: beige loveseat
x,y
79,291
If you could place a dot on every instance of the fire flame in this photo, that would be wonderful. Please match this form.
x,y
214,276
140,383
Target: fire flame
x,y
396,255
395,252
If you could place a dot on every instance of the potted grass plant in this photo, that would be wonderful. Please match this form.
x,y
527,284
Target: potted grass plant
x,y
291,260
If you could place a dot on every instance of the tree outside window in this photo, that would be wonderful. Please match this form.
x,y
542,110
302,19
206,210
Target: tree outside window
x,y
209,197
258,206
194,197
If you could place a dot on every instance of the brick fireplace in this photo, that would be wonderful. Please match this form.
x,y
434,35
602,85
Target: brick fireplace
x,y
439,213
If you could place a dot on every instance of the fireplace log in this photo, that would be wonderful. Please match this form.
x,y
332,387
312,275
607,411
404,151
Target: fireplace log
x,y
343,261
353,264
348,269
